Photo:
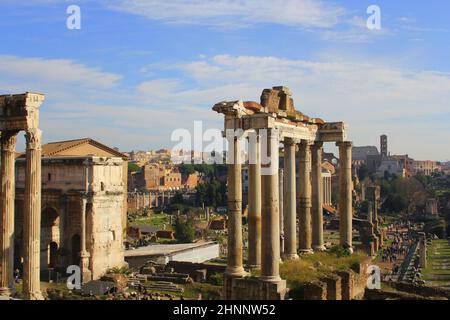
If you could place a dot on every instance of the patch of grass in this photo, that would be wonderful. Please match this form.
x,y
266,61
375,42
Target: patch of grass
x,y
438,254
318,265
159,220
206,290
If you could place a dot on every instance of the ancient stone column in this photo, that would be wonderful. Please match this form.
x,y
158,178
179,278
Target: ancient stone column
x,y
8,144
32,217
270,255
290,214
254,204
235,263
281,207
317,197
304,197
345,194
86,274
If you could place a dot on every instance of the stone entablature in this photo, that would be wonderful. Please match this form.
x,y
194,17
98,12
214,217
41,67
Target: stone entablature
x,y
20,111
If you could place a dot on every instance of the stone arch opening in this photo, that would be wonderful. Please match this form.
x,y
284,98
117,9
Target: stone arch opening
x,y
75,248
52,255
50,236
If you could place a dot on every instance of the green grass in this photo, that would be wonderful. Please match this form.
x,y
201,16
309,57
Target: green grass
x,y
438,253
159,220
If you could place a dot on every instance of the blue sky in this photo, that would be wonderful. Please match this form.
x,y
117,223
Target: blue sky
x,y
137,70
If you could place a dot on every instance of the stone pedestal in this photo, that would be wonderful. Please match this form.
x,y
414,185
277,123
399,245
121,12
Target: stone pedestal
x,y
250,288
317,198
304,198
8,144
32,217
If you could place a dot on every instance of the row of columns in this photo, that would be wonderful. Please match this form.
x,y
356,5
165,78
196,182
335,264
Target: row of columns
x,y
302,197
32,213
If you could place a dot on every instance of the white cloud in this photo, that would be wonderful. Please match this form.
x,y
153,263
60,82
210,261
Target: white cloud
x,y
373,98
236,13
55,71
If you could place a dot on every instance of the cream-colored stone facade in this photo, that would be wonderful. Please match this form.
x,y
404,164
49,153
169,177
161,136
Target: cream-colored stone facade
x,y
65,182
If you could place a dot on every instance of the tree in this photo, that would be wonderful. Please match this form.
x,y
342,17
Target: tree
x,y
133,167
185,231
394,203
412,191
178,198
363,172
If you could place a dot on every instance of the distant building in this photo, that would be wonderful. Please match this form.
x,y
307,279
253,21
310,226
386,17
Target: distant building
x,y
407,163
157,176
426,167
384,146
368,156
446,168
361,153
391,166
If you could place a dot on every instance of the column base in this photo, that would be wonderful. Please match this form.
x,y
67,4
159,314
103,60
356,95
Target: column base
x,y
319,248
290,256
86,276
349,250
270,278
254,266
6,291
34,295
305,251
235,272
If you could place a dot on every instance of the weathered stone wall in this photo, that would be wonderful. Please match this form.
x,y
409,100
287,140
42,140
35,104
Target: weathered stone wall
x,y
343,285
64,184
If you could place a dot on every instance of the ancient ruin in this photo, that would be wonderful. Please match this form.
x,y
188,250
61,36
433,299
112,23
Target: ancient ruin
x,y
17,113
267,124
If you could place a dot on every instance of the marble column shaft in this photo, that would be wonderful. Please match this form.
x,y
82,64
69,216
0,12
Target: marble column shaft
x,y
32,217
304,197
345,194
235,259
254,204
270,225
8,144
317,197
290,214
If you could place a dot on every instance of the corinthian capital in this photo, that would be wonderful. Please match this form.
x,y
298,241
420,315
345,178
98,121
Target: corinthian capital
x,y
33,137
8,141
